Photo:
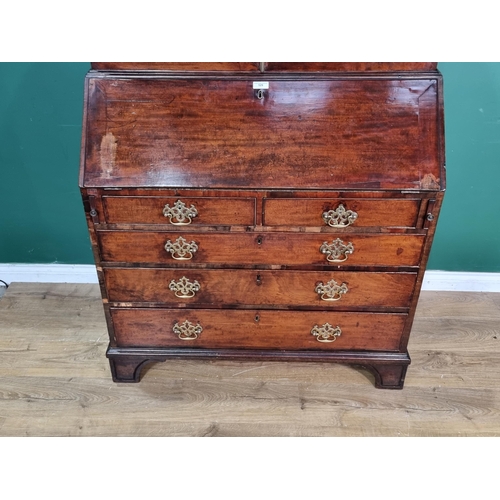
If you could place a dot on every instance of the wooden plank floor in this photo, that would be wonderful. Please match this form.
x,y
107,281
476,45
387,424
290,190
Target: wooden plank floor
x,y
55,380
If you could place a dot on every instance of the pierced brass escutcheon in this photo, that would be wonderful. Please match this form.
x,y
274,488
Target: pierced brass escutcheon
x,y
326,333
336,249
181,249
187,331
180,214
183,288
331,291
339,217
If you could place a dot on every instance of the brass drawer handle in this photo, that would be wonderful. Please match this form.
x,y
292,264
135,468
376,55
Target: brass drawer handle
x,y
187,331
336,249
180,214
331,291
181,249
326,333
183,288
339,217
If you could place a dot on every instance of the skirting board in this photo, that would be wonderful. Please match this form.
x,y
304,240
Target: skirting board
x,y
69,273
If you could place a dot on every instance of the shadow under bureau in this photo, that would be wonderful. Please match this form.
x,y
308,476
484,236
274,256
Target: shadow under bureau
x,y
262,211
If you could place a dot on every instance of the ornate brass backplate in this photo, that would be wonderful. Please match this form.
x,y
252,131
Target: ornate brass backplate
x,y
187,330
340,217
326,333
331,291
336,249
181,249
184,288
180,214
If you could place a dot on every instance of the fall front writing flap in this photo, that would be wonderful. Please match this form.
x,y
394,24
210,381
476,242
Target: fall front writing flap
x,y
349,133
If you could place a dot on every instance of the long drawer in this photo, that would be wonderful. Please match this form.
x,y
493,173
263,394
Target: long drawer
x,y
280,248
188,287
256,329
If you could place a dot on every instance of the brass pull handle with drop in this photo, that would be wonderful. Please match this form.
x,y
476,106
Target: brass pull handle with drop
x,y
187,330
340,217
332,291
326,333
336,249
184,288
180,214
181,249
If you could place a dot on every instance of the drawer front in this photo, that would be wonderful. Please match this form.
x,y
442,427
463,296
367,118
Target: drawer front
x,y
256,329
290,249
190,287
179,211
341,213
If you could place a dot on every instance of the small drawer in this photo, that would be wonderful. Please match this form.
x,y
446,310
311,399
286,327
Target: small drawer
x,y
340,213
277,249
212,287
179,211
257,329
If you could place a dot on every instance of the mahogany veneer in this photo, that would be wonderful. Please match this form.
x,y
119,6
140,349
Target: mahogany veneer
x,y
275,289
267,249
258,329
262,211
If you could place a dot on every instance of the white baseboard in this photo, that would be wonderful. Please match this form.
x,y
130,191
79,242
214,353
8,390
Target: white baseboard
x,y
79,273
48,273
452,281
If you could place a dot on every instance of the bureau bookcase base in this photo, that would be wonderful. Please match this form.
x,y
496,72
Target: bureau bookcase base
x,y
262,211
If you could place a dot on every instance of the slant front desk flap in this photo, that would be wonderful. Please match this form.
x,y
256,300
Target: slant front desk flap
x,y
373,133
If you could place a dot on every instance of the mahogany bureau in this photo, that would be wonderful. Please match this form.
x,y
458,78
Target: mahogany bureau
x,y
262,211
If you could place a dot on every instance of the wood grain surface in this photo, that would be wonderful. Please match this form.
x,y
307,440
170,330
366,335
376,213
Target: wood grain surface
x,y
275,249
278,289
257,329
150,210
265,66
369,213
328,134
54,379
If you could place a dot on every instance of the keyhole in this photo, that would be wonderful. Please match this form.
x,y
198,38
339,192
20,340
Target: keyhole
x,y
259,240
257,318
258,280
259,94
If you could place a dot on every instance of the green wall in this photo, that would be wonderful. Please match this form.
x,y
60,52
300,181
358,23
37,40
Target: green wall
x,y
468,233
42,219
